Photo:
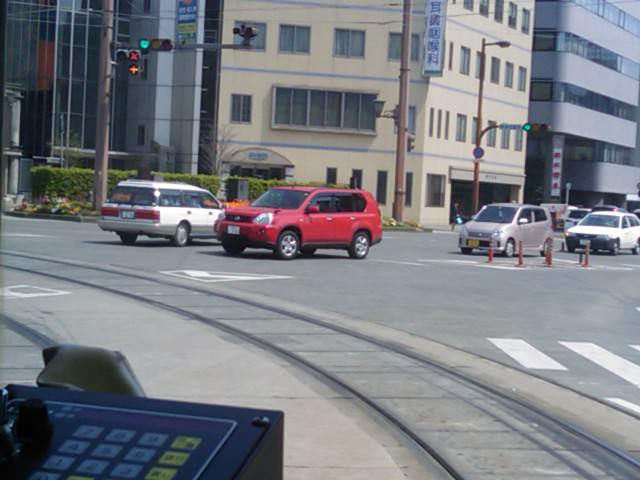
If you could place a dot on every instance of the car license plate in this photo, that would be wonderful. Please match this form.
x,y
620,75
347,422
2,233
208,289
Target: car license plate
x,y
233,230
127,214
584,241
473,243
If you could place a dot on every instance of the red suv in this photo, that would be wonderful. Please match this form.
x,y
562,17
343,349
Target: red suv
x,y
292,220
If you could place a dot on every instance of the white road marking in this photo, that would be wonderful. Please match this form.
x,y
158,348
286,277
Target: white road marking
x,y
500,267
638,309
617,365
215,277
637,347
632,265
463,262
397,262
29,291
525,354
623,403
444,232
25,235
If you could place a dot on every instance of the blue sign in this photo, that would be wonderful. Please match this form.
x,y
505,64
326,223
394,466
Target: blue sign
x,y
478,152
435,19
187,21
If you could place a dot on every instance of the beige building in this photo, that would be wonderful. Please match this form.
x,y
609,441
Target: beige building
x,y
300,103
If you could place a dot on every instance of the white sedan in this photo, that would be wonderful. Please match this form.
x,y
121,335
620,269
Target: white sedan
x,y
610,231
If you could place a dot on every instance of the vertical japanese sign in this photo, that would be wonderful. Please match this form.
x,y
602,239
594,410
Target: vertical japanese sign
x,y
557,151
435,16
187,21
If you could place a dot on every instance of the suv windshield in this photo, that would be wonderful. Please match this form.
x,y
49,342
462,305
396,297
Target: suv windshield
x,y
133,196
608,221
496,214
280,198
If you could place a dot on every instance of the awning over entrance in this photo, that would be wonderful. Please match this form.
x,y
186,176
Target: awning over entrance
x,y
486,176
259,158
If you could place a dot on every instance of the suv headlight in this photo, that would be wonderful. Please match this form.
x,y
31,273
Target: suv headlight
x,y
264,218
496,233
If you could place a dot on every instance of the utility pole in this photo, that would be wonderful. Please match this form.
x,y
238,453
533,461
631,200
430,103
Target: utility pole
x,y
101,165
401,144
3,48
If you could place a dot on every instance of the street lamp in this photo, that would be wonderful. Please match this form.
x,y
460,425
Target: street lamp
x,y
378,106
478,134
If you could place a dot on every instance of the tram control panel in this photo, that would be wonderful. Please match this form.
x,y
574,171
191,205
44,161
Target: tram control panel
x,y
56,434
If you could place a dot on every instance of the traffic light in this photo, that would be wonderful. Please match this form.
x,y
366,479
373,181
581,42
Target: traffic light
x,y
134,61
143,43
536,127
161,44
247,33
411,142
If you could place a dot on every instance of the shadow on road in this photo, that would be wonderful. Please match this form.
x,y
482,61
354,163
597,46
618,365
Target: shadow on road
x,y
154,243
266,255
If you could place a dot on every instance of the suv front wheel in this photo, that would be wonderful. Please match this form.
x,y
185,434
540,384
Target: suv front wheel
x,y
287,245
359,246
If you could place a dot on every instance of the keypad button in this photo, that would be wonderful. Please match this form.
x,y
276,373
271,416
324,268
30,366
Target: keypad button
x,y
89,432
126,470
175,459
95,467
186,443
138,454
159,473
153,439
105,450
58,462
74,446
118,435
44,476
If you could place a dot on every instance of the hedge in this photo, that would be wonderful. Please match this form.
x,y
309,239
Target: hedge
x,y
77,183
257,186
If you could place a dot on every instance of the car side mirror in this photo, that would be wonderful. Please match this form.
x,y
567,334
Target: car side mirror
x,y
522,221
313,209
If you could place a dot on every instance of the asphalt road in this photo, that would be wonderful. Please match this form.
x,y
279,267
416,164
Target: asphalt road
x,y
417,283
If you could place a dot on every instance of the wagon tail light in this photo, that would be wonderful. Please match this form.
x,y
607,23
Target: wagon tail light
x,y
148,215
109,212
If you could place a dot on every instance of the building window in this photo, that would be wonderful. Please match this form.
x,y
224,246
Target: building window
x,y
431,119
541,91
461,128
508,74
522,79
495,70
356,178
499,11
259,42
381,187
332,176
411,119
526,19
544,41
468,4
408,189
518,140
450,56
439,129
395,46
484,7
478,64
240,108
295,39
141,134
474,126
147,6
513,15
465,60
324,109
349,43
505,138
435,190
446,125
491,134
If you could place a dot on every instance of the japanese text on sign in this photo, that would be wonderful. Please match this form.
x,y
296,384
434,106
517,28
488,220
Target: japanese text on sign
x,y
187,21
435,19
556,165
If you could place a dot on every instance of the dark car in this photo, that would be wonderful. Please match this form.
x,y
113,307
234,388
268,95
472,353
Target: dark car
x,y
292,220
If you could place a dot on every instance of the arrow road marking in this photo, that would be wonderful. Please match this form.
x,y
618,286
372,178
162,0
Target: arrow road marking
x,y
216,277
29,291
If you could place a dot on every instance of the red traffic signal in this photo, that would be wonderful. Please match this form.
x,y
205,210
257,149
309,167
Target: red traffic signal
x,y
134,55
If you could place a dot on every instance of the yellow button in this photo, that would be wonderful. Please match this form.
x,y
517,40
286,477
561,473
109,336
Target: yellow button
x,y
176,459
78,477
157,473
186,443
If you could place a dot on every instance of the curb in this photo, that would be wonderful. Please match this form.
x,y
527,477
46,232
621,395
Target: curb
x,y
411,230
46,216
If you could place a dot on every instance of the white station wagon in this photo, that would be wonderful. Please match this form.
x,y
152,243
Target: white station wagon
x,y
176,211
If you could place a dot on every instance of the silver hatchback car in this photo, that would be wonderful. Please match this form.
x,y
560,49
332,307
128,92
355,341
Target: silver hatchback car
x,y
506,224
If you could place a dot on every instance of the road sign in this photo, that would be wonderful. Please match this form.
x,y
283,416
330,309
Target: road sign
x,y
216,277
478,152
510,126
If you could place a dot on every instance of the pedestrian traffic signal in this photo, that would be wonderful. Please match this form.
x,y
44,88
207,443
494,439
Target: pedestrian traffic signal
x,y
247,33
536,127
134,57
411,142
161,44
143,43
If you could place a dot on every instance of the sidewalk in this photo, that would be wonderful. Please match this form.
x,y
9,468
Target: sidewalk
x,y
326,435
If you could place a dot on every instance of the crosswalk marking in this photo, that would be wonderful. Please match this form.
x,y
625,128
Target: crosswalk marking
x,y
623,403
525,354
637,347
624,369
